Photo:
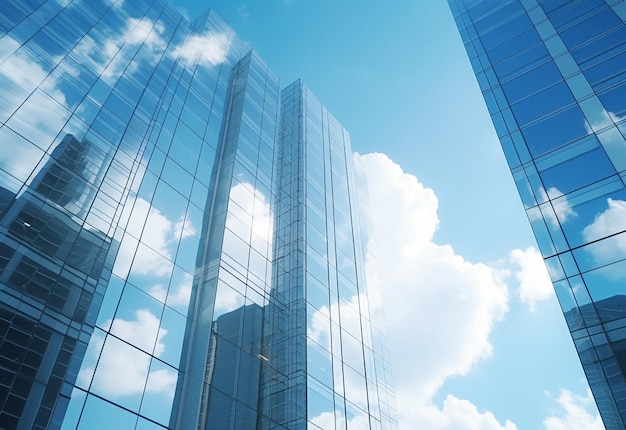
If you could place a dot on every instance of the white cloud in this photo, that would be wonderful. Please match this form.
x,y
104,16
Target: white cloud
x,y
327,420
607,223
250,218
179,294
159,236
117,3
457,414
120,49
39,116
253,208
123,370
184,226
138,32
534,282
227,300
610,136
561,210
209,49
43,108
578,413
435,300
318,330
603,120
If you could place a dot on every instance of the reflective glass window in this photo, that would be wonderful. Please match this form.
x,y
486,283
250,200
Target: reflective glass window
x,y
532,81
555,131
542,103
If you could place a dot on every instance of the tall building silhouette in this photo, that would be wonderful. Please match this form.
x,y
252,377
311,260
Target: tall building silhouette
x,y
179,239
553,77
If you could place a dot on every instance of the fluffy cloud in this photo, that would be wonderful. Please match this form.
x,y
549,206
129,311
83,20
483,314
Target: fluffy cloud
x,y
452,304
318,329
43,108
159,235
138,32
115,56
327,420
123,370
534,282
561,210
458,414
38,114
613,142
208,49
605,119
577,413
607,223
249,218
251,209
179,294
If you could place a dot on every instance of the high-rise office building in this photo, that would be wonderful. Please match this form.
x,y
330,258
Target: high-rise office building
x,y
553,75
179,238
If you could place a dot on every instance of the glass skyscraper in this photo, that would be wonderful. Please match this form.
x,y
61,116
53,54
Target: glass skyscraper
x,y
553,75
179,238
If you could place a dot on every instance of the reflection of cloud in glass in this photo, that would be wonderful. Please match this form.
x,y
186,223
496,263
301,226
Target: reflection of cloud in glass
x,y
159,232
42,112
250,218
208,49
613,142
180,294
607,223
605,119
122,369
326,420
137,32
562,208
227,300
116,54
110,59
250,202
318,328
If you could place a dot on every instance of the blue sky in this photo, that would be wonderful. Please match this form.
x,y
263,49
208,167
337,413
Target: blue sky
x,y
495,353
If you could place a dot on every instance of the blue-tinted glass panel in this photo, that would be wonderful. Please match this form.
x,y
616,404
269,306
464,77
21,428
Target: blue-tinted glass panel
x,y
555,131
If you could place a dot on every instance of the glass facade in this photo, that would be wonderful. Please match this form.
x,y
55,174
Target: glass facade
x,y
179,238
553,75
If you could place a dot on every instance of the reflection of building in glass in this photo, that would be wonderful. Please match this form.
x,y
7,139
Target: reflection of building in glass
x,y
194,260
552,75
52,278
233,370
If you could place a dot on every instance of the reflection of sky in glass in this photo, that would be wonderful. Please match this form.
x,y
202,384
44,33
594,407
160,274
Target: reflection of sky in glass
x,y
147,94
566,112
42,87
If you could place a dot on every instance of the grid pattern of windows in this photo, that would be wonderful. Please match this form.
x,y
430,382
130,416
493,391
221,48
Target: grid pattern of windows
x,y
553,75
340,372
179,248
